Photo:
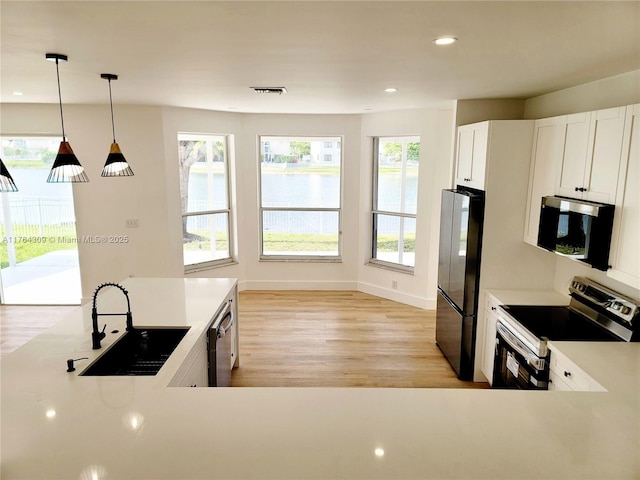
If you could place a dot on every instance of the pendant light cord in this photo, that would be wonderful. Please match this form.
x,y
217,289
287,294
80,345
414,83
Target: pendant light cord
x,y
64,137
113,124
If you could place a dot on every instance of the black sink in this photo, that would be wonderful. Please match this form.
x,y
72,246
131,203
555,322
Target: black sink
x,y
141,351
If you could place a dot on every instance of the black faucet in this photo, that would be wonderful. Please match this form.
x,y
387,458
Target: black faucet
x,y
97,335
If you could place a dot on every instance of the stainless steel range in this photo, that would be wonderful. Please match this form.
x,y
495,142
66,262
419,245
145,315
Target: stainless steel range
x,y
595,313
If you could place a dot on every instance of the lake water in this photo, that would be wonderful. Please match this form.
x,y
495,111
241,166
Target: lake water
x,y
307,191
279,190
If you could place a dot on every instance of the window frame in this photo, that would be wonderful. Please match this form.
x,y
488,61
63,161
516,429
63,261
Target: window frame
x,y
231,258
375,212
261,209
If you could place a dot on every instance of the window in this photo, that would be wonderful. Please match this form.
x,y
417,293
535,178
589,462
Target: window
x,y
300,198
395,195
205,198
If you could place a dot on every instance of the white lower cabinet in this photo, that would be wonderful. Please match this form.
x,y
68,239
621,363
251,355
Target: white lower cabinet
x,y
194,371
491,318
564,375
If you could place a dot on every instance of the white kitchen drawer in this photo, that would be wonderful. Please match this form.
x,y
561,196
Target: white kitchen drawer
x,y
558,384
573,376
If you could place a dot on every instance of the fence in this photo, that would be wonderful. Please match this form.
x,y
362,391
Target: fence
x,y
36,216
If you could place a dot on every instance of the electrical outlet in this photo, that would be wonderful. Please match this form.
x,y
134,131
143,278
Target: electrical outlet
x,y
394,284
131,223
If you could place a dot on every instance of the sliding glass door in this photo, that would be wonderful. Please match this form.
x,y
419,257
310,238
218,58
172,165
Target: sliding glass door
x,y
38,242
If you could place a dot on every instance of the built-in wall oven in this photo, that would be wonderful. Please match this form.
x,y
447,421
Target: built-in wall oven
x,y
595,313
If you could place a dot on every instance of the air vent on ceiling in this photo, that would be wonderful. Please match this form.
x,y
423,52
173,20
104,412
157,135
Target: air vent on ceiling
x,y
278,90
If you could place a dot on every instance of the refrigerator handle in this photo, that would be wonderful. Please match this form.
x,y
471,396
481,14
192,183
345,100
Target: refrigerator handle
x,y
453,305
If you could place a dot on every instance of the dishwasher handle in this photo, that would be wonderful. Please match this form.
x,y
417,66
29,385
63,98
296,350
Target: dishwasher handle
x,y
225,324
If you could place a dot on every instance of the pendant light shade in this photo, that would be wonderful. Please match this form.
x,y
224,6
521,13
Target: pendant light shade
x,y
6,181
66,167
116,165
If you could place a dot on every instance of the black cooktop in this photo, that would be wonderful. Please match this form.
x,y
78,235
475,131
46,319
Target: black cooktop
x,y
558,323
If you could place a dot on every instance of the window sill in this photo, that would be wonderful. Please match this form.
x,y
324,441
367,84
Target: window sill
x,y
199,267
390,266
294,259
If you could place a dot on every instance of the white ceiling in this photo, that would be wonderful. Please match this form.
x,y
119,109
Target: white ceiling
x,y
332,56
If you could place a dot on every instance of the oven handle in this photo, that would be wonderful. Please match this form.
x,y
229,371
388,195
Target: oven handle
x,y
518,346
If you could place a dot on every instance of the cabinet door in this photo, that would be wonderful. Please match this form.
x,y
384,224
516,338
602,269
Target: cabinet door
x,y
465,154
491,318
479,160
603,163
472,155
548,148
625,254
571,171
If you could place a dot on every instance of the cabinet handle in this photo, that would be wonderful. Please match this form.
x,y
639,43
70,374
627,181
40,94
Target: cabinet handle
x,y
577,189
580,189
567,374
493,309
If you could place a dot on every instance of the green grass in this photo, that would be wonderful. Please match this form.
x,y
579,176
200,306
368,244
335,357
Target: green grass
x,y
205,243
32,245
28,164
301,242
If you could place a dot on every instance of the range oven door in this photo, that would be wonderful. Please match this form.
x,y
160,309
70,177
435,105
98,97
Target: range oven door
x,y
515,366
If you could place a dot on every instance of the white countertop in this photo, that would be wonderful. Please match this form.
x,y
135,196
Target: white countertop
x,y
530,297
137,428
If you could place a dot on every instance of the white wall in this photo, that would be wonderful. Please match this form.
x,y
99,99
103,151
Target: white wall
x,y
608,92
246,128
103,204
481,109
148,138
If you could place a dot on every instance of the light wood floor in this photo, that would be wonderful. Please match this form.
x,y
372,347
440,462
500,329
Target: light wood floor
x,y
19,324
306,339
338,339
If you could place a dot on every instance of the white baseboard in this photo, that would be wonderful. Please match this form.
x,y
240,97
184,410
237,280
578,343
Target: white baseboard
x,y
295,285
397,296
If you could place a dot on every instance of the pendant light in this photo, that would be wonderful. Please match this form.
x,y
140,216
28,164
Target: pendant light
x,y
66,167
116,165
6,181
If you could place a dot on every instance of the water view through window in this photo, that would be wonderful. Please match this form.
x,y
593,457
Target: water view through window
x,y
300,196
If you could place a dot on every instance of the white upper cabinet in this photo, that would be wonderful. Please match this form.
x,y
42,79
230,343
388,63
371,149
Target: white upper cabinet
x,y
546,155
471,159
570,177
625,244
591,159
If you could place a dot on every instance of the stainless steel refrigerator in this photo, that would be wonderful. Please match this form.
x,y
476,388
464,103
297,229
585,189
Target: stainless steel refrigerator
x,y
461,219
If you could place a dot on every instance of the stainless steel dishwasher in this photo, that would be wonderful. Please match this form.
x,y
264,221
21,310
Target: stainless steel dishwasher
x,y
220,347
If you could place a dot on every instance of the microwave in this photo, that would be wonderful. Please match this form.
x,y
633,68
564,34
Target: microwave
x,y
577,229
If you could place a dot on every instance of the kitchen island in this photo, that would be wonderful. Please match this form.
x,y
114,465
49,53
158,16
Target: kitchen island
x,y
60,425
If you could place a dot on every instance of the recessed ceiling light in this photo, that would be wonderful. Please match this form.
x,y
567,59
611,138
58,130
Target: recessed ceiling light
x,y
17,94
390,90
277,90
379,452
445,40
